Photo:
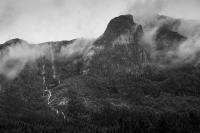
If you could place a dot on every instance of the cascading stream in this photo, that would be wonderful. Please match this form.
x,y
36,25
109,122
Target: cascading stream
x,y
54,76
48,91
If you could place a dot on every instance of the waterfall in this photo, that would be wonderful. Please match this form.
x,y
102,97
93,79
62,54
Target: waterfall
x,y
53,63
43,77
54,76
48,91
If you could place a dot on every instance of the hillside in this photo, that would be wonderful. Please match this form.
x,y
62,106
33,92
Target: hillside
x,y
115,83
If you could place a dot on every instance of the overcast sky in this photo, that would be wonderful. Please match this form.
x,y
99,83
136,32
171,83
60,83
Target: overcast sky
x,y
50,20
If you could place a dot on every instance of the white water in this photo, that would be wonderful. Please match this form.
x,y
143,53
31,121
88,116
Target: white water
x,y
47,91
54,76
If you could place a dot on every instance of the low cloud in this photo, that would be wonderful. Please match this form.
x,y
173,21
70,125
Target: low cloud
x,y
78,47
14,58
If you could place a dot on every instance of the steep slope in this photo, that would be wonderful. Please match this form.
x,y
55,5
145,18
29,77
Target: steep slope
x,y
119,49
167,42
163,37
32,68
167,39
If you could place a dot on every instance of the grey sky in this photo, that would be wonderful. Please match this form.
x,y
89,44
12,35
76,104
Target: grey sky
x,y
46,20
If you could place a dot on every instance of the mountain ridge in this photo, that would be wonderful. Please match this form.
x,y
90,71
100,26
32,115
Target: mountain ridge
x,y
108,84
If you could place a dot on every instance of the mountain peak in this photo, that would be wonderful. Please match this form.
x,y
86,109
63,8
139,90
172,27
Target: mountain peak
x,y
121,28
12,42
119,49
119,25
15,40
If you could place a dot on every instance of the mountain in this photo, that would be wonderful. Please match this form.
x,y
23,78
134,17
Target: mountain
x,y
167,41
120,49
118,27
114,83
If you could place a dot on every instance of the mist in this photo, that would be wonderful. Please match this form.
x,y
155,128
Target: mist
x,y
79,47
184,12
186,52
15,58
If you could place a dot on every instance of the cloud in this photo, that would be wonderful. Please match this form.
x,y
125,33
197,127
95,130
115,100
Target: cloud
x,y
146,8
16,57
189,50
78,47
189,28
173,8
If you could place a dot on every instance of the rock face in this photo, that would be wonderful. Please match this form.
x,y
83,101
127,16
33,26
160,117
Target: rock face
x,y
119,49
167,39
118,27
